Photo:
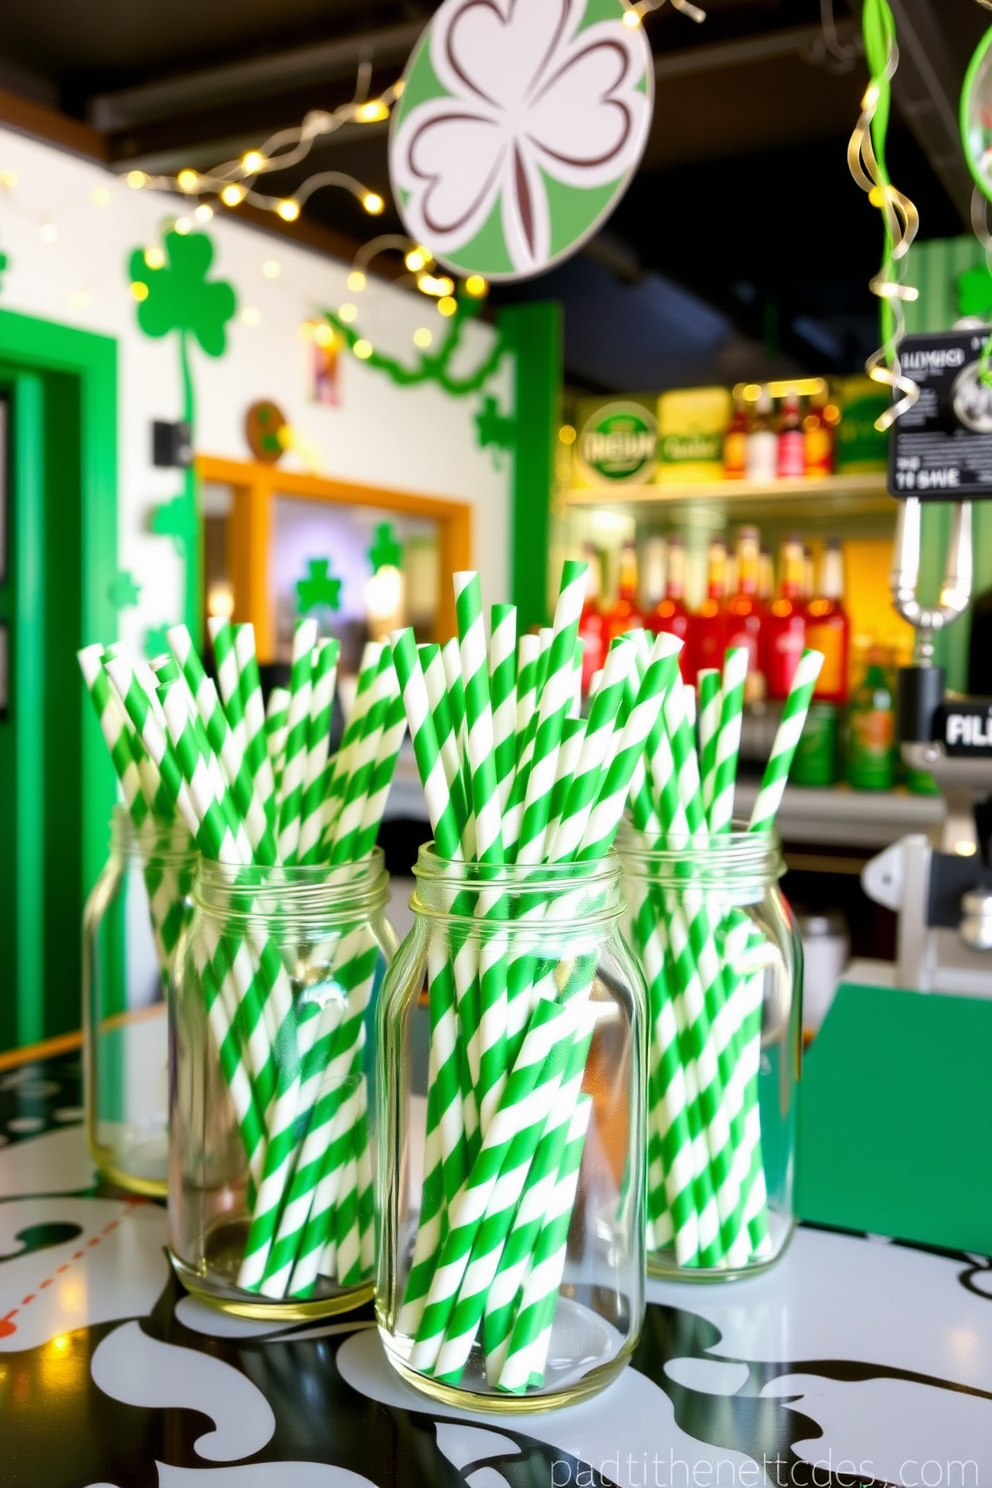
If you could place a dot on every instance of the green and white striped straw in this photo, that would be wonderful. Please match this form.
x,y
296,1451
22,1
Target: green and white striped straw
x,y
794,712
728,739
708,682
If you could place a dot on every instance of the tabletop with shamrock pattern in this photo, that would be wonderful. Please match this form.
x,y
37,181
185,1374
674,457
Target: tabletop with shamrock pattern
x,y
854,1360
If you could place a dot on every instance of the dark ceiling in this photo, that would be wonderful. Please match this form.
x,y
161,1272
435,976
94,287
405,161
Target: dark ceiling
x,y
742,246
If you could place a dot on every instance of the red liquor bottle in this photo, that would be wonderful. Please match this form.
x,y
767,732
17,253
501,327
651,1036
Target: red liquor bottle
x,y
785,623
744,613
708,626
625,614
670,615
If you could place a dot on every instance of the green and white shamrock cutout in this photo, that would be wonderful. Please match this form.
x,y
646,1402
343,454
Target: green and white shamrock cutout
x,y
520,125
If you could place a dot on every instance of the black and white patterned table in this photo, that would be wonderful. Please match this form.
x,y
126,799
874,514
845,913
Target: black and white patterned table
x,y
853,1361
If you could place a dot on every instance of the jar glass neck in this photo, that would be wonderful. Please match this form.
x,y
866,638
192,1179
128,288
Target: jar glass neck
x,y
449,889
166,840
737,862
325,895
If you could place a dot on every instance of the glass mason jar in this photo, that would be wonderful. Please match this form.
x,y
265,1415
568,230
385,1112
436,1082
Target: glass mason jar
x,y
511,1141
131,925
723,966
271,1209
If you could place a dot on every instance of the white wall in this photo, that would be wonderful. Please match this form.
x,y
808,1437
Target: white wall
x,y
415,439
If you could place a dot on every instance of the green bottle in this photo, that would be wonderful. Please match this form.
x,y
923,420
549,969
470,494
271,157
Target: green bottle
x,y
871,729
816,754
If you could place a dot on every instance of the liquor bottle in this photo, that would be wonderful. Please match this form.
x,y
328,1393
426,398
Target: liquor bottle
x,y
735,442
791,459
871,728
592,629
670,616
784,631
818,434
828,628
708,626
625,613
653,565
766,576
744,613
809,586
762,440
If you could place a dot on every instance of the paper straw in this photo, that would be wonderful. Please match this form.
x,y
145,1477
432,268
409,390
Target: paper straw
x,y
708,681
794,712
503,689
728,739
290,796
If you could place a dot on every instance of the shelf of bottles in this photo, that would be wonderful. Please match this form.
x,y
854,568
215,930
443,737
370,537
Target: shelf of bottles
x,y
742,532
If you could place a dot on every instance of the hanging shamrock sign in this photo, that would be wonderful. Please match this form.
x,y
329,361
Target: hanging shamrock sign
x,y
173,293
518,130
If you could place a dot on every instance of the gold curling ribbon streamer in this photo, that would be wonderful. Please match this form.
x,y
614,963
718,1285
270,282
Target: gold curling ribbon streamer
x,y
866,159
638,11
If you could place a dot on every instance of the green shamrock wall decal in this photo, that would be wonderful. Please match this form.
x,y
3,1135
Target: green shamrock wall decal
x,y
385,550
174,294
318,590
975,292
494,430
179,295
123,590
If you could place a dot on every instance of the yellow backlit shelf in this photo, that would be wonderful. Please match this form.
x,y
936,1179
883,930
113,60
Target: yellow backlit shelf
x,y
830,497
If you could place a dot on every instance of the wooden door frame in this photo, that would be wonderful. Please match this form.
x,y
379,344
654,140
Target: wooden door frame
x,y
255,485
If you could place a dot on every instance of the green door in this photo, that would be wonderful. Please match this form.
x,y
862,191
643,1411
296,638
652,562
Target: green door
x,y
58,516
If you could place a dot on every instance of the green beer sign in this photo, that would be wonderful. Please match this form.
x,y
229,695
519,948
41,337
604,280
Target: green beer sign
x,y
619,442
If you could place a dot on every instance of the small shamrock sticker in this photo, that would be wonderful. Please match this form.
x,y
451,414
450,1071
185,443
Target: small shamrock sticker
x,y
975,292
156,641
385,551
318,590
179,297
123,590
177,519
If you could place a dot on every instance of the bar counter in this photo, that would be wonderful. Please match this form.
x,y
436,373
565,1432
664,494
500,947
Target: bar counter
x,y
855,1360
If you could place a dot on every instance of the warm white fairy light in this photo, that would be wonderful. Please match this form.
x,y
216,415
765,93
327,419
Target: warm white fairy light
x,y
236,181
323,334
250,316
362,349
48,232
183,225
101,196
271,269
204,212
356,281
422,337
154,257
348,313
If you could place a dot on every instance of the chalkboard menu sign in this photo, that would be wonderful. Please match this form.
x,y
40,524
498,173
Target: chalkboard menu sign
x,y
941,448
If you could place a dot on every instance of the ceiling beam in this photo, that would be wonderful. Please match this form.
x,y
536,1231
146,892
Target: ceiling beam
x,y
39,122
746,50
260,77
